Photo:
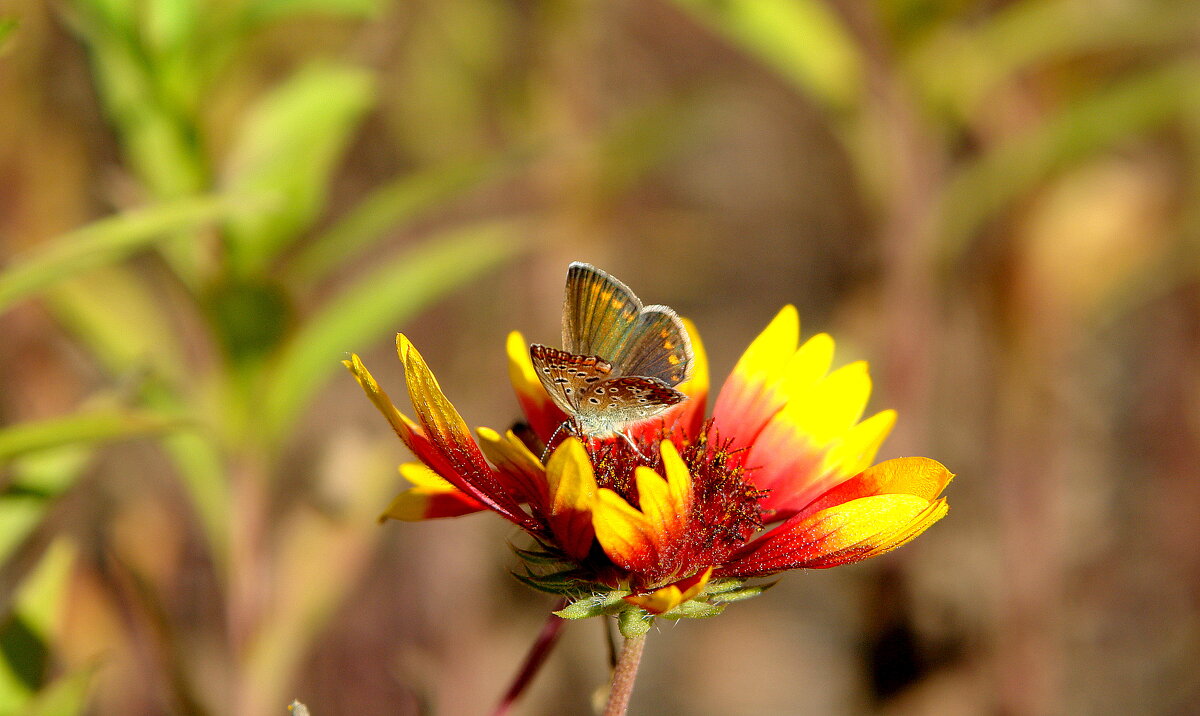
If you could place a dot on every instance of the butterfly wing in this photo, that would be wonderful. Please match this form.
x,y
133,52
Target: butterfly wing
x,y
611,405
658,347
603,317
598,312
566,376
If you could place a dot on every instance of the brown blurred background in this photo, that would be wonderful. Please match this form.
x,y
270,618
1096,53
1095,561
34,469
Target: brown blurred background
x,y
204,206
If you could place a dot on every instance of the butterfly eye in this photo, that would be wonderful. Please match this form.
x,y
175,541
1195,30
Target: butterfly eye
x,y
594,401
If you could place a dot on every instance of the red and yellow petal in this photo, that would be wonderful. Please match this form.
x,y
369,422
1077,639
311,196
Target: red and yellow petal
x,y
649,539
917,476
748,400
543,415
666,598
446,430
841,534
813,442
572,492
624,533
429,498
770,374
408,431
515,462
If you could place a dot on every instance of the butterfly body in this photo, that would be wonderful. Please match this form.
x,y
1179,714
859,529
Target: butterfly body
x,y
621,359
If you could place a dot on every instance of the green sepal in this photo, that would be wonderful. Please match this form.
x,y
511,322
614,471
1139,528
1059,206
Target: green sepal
x,y
693,609
565,583
634,622
539,556
737,595
595,605
723,586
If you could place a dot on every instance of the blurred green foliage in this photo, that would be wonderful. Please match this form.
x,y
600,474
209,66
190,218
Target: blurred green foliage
x,y
231,262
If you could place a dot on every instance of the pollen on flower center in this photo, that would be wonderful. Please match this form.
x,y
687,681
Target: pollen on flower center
x,y
725,509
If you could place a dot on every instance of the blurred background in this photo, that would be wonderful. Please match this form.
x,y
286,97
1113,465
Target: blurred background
x,y
205,205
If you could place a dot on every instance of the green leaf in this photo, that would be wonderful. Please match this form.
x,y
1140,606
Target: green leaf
x,y
104,242
263,11
24,651
115,315
803,40
961,66
371,309
384,211
86,428
1096,122
288,147
31,591
67,696
561,590
7,25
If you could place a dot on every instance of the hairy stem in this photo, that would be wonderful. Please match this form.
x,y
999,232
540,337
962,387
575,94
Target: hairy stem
x,y
625,675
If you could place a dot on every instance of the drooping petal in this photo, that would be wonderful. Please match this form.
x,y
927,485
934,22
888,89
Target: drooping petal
x,y
667,598
450,436
572,490
429,498
514,461
541,412
841,534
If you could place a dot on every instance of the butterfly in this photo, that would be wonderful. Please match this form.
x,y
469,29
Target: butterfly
x,y
620,361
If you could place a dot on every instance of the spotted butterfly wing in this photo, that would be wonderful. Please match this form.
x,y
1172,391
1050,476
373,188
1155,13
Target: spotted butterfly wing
x,y
601,405
602,317
565,376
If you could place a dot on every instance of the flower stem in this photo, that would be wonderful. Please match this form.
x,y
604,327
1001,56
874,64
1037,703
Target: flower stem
x,y
625,675
533,662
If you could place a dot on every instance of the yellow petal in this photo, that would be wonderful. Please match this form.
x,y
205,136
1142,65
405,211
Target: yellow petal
x,y
859,445
697,385
667,598
749,397
655,502
571,486
832,406
420,475
430,497
511,457
623,532
807,366
403,426
679,480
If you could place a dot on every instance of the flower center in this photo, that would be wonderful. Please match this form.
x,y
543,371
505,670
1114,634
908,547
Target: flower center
x,y
725,509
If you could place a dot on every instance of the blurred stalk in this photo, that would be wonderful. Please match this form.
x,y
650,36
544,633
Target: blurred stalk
x,y
892,133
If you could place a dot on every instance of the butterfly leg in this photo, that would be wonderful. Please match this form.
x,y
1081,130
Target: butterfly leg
x,y
569,425
632,446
